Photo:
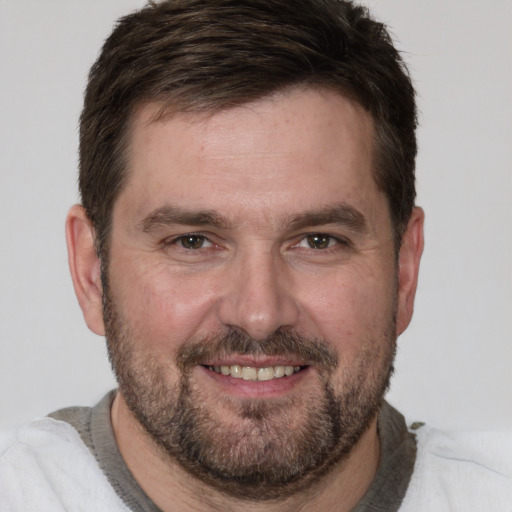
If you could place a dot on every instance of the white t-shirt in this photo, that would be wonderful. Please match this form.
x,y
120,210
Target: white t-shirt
x,y
461,471
46,467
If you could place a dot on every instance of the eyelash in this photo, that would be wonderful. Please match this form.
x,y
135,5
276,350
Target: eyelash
x,y
338,241
181,238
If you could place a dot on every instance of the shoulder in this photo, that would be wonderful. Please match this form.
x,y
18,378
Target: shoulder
x,y
466,471
45,466
39,439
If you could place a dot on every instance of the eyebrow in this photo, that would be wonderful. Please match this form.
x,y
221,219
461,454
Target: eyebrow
x,y
168,215
341,214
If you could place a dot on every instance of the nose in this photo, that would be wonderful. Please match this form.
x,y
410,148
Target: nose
x,y
259,297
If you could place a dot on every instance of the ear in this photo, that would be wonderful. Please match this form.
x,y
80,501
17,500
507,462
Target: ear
x,y
84,265
409,264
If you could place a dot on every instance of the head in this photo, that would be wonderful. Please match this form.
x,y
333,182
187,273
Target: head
x,y
247,178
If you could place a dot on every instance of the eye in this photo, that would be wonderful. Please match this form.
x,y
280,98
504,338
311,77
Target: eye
x,y
193,242
318,241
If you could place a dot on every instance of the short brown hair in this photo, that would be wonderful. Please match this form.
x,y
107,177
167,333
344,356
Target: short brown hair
x,y
209,55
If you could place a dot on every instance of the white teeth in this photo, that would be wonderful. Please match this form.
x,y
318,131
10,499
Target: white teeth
x,y
253,373
288,370
235,371
249,373
265,373
278,372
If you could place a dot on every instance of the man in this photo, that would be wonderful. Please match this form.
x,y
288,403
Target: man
x,y
249,246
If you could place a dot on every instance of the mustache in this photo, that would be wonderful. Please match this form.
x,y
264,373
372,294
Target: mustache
x,y
312,351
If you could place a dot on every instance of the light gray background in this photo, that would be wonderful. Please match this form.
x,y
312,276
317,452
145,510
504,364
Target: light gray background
x,y
454,362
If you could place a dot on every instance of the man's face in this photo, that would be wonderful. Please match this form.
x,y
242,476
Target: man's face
x,y
253,242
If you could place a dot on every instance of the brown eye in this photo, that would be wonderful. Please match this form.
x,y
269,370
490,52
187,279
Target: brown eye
x,y
319,241
192,241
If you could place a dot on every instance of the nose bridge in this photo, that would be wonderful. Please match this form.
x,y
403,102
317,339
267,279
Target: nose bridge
x,y
258,299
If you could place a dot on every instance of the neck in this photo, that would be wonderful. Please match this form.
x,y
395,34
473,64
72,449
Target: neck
x,y
171,488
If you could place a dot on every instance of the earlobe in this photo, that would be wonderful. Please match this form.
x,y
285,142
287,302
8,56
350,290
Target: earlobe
x,y
409,263
84,266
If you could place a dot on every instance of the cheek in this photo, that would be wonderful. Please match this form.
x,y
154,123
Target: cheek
x,y
352,309
161,308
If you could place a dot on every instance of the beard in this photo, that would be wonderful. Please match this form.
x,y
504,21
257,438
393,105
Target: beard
x,y
256,449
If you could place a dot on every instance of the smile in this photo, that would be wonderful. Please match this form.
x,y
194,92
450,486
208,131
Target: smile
x,y
253,373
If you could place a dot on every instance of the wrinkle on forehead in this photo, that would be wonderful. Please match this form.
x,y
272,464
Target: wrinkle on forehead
x,y
220,127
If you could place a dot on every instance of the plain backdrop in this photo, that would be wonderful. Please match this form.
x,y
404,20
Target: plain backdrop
x,y
454,362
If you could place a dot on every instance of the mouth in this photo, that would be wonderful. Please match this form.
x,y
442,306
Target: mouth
x,y
254,373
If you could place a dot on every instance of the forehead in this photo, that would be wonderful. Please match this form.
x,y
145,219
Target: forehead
x,y
293,150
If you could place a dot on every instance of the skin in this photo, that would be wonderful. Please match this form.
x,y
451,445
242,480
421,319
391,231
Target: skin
x,y
260,167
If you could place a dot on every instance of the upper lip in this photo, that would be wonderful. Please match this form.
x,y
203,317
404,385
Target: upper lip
x,y
256,362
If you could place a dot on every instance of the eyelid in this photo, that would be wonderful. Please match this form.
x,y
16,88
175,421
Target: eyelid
x,y
208,238
175,239
340,240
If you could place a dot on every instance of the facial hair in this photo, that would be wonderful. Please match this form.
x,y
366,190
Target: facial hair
x,y
258,449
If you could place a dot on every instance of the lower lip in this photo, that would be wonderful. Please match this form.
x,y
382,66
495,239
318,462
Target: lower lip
x,y
254,388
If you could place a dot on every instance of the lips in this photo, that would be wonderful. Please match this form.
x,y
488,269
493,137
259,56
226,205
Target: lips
x,y
254,373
